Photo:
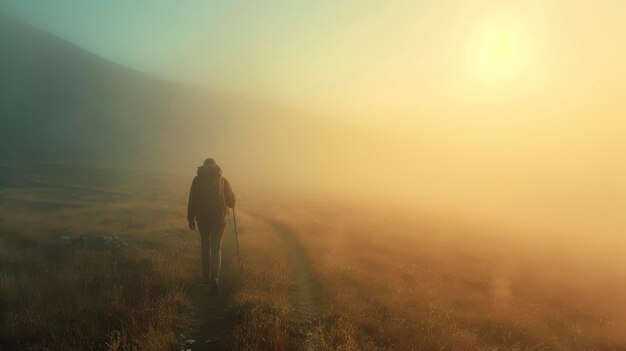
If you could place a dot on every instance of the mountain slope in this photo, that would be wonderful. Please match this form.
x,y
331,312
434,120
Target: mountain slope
x,y
62,104
59,102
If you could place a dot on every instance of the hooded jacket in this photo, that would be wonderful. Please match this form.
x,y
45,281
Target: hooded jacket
x,y
209,196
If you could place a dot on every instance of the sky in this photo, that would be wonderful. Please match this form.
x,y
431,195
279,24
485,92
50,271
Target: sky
x,y
525,99
358,60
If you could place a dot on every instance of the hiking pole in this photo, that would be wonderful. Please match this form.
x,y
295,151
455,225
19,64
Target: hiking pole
x,y
236,235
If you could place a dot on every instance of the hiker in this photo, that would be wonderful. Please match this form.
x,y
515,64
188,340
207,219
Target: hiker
x,y
209,197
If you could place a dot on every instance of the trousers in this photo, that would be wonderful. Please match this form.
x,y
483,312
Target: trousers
x,y
211,234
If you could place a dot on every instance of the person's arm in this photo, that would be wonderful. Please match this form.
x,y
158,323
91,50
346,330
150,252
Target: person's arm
x,y
191,205
229,196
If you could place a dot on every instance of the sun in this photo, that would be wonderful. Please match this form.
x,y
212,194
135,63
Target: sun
x,y
498,51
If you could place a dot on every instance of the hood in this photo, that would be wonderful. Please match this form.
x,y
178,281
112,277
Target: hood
x,y
210,172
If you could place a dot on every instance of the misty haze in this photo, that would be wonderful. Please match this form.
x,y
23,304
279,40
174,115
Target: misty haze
x,y
312,176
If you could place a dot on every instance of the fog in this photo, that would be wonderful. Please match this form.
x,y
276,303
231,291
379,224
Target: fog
x,y
509,118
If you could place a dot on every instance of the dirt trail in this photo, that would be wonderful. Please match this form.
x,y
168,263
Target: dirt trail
x,y
211,320
304,287
211,317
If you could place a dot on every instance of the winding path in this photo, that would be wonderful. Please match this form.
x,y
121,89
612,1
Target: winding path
x,y
211,317
305,290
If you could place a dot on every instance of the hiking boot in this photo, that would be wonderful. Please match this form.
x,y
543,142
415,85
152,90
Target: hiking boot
x,y
205,282
214,288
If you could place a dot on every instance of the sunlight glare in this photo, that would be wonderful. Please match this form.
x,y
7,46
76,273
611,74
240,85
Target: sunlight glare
x,y
498,51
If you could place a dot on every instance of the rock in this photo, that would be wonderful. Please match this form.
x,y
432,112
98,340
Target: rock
x,y
190,341
96,241
172,232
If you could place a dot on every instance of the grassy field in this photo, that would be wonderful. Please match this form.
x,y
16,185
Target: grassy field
x,y
102,260
395,281
314,274
55,295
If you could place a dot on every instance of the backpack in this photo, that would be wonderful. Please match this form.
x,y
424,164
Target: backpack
x,y
212,202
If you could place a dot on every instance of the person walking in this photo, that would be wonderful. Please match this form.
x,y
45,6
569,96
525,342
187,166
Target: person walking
x,y
209,198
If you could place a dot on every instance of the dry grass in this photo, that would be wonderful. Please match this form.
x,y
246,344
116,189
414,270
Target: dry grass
x,y
262,293
381,280
59,297
55,296
397,283
268,315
